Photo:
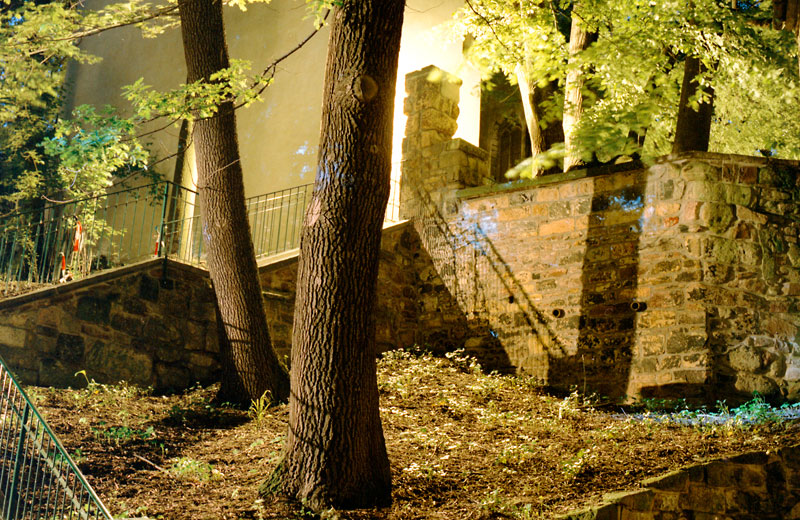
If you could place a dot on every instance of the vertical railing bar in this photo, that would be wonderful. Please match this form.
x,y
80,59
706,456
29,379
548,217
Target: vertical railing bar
x,y
36,484
26,480
47,264
9,450
50,475
19,459
161,233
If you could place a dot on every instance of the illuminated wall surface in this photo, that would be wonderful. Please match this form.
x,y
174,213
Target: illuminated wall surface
x,y
278,137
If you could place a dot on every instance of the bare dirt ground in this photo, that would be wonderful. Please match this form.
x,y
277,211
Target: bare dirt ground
x,y
463,445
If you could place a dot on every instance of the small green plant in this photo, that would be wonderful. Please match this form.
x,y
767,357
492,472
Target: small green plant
x,y
578,464
259,408
192,469
460,359
122,434
495,503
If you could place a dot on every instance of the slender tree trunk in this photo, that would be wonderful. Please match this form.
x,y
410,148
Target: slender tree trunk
x,y
579,41
335,450
542,139
250,366
693,128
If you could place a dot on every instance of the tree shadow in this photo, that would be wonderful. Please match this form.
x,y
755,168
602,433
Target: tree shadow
x,y
602,360
504,323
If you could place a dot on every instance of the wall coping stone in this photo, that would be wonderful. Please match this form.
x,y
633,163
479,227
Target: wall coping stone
x,y
680,158
102,276
523,184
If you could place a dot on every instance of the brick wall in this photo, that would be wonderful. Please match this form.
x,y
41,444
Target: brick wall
x,y
752,485
677,280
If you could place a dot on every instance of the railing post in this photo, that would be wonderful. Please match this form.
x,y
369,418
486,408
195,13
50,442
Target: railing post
x,y
19,457
160,238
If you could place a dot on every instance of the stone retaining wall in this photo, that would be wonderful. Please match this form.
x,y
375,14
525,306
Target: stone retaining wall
x,y
754,485
153,324
705,246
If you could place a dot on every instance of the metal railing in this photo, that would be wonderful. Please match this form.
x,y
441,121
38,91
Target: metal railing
x,y
38,478
61,242
276,219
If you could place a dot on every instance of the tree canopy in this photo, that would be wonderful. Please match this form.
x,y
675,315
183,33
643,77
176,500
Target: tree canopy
x,y
632,70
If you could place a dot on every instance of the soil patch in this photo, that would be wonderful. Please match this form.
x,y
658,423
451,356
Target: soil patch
x,y
463,445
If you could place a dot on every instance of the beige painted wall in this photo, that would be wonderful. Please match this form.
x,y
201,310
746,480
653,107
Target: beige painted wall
x,y
278,137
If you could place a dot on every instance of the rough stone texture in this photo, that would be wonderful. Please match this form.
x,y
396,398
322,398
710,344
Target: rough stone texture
x,y
753,485
414,307
138,324
706,243
155,326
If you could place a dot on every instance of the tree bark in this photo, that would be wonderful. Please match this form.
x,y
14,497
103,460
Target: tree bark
x,y
693,128
250,366
335,451
579,41
542,139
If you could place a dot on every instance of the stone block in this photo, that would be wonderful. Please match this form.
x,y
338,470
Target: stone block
x,y
53,372
705,191
131,325
748,383
704,499
746,359
748,215
117,363
199,359
172,378
717,217
12,336
740,195
148,288
557,226
748,174
700,171
547,194
70,348
666,501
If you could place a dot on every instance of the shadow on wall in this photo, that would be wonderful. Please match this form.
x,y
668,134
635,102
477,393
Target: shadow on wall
x,y
503,322
453,258
608,303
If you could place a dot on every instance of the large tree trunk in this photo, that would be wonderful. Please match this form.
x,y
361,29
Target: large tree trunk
x,y
250,366
579,41
542,139
335,451
693,128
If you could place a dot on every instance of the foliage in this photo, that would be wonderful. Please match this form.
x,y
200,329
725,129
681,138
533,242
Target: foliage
x,y
192,469
38,41
259,408
46,155
634,70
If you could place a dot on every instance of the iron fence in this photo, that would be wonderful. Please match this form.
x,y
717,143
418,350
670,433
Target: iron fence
x,y
61,242
38,478
276,219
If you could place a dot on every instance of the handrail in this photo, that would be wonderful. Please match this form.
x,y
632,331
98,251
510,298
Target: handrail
x,y
65,241
38,478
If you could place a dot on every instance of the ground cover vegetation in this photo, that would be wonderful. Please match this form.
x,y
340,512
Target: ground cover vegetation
x,y
462,444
